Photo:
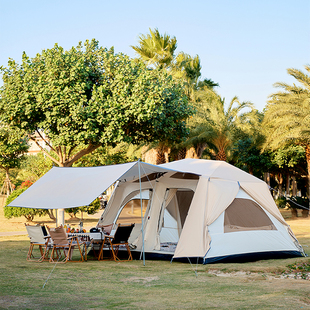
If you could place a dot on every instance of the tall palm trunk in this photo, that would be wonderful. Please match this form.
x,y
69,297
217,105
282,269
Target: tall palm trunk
x,y
161,154
182,154
221,155
308,169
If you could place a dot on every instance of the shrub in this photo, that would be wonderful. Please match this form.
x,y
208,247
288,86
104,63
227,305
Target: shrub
x,y
281,202
28,213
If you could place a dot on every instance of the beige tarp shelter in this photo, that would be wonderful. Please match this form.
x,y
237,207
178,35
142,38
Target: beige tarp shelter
x,y
190,208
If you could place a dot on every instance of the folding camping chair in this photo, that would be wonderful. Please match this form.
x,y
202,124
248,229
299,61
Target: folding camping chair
x,y
38,236
120,238
63,245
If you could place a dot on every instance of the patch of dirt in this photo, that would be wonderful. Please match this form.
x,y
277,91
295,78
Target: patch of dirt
x,y
11,301
262,276
141,280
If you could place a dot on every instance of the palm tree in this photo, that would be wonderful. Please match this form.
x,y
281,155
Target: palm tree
x,y
287,115
187,69
156,49
216,127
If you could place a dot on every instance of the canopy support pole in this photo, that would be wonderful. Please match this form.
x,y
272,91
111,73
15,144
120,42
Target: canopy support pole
x,y
142,222
60,217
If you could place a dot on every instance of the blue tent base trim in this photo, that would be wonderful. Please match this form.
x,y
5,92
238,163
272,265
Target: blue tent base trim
x,y
238,258
252,257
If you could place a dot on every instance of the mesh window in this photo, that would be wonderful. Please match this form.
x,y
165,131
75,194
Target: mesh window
x,y
246,214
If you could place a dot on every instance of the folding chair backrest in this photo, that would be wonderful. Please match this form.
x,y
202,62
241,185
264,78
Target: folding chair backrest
x,y
58,235
35,234
106,228
122,234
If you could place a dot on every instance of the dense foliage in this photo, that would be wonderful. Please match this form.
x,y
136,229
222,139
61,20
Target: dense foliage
x,y
89,96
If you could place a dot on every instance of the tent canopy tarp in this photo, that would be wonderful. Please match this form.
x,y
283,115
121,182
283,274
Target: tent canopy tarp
x,y
70,187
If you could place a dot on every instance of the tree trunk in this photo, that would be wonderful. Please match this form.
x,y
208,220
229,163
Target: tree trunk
x,y
280,184
29,218
162,154
294,212
308,168
267,178
294,187
51,215
199,149
287,185
250,170
221,155
7,184
191,153
182,154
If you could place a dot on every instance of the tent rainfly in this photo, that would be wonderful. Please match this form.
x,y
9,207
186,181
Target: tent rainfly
x,y
195,208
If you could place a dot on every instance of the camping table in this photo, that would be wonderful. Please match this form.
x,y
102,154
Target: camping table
x,y
98,238
91,239
83,237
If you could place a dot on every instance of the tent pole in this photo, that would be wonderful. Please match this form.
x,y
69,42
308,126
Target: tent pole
x,y
142,224
60,217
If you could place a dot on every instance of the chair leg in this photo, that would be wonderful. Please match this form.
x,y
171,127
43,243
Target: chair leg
x,y
116,250
44,253
82,258
129,252
29,254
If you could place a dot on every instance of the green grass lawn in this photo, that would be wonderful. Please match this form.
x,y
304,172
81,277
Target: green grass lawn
x,y
158,285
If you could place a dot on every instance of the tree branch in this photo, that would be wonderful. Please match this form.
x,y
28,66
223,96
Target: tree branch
x,y
90,148
45,141
59,153
45,152
70,151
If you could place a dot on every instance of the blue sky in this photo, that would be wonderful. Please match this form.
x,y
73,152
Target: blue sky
x,y
244,45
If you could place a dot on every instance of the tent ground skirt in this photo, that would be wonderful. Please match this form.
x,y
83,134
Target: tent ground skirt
x,y
252,257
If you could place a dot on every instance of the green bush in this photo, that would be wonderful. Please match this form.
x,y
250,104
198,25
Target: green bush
x,y
281,202
28,213
91,209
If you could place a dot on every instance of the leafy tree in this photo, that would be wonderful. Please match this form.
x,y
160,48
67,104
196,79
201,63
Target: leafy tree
x,y
287,115
91,209
156,49
34,167
87,97
187,69
122,153
289,157
13,145
217,127
206,83
247,153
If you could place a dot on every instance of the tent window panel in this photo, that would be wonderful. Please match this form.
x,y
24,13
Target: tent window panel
x,y
185,176
131,213
246,214
184,201
150,177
